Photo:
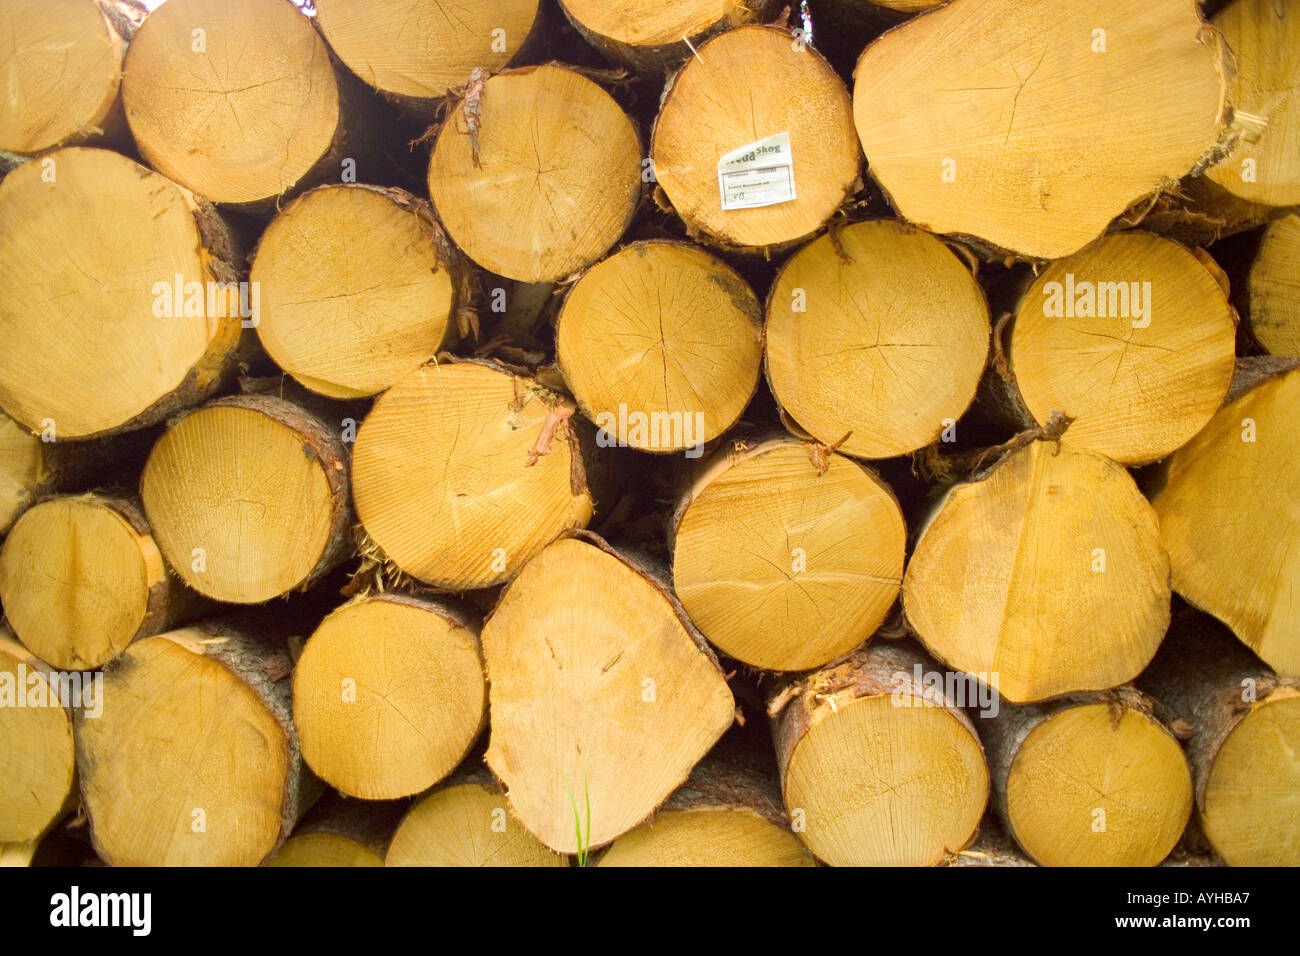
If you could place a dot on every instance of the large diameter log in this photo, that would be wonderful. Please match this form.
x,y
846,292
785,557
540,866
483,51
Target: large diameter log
x,y
82,577
1033,139
23,470
1089,779
37,763
1243,723
1274,288
194,760
1263,169
416,53
537,173
467,822
601,696
357,286
726,814
388,695
234,99
708,113
463,471
1133,338
107,289
661,345
879,767
877,337
340,832
648,36
248,498
1228,519
784,562
63,70
1043,578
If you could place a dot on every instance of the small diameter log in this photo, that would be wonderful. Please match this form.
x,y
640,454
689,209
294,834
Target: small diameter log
x,y
602,698
877,337
37,763
248,498
651,37
781,86
1263,169
63,69
1243,723
536,173
1089,779
81,578
116,290
467,822
1225,502
388,695
341,832
1043,578
1033,139
661,345
357,286
234,99
785,562
463,471
416,53
194,760
1133,338
726,814
879,767
24,473
1274,288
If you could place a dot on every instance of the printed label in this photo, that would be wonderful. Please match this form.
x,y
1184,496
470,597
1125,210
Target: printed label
x,y
758,174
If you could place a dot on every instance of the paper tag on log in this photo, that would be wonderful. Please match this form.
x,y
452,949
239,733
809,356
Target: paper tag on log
x,y
759,174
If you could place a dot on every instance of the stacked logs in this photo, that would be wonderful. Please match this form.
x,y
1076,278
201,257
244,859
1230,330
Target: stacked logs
x,y
421,444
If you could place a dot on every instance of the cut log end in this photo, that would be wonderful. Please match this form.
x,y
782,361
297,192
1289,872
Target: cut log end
x,y
442,477
1263,169
1073,589
1133,338
590,647
707,114
73,226
863,356
388,696
1087,789
1033,146
1273,289
517,182
1227,520
193,761
234,99
661,344
80,578
1249,824
37,762
247,498
357,288
63,61
419,53
876,770
785,566
23,470
467,823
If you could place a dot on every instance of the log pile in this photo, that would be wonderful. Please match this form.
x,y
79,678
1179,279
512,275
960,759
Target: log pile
x,y
553,432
